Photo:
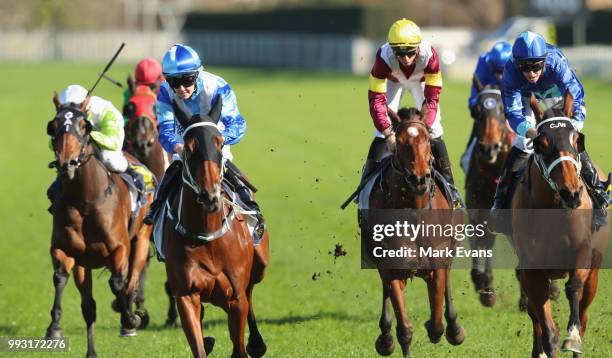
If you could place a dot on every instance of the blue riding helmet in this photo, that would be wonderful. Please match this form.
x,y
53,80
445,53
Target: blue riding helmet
x,y
500,54
180,60
529,46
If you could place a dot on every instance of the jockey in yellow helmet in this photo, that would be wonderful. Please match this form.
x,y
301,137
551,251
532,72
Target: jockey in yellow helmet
x,y
406,63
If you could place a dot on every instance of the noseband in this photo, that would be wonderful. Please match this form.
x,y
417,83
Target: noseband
x,y
83,139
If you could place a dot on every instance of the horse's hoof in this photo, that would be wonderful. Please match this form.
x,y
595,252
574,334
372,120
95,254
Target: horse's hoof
x,y
144,317
91,355
434,336
522,304
572,345
54,333
385,345
127,332
256,348
170,323
488,297
455,335
209,344
135,321
116,306
554,291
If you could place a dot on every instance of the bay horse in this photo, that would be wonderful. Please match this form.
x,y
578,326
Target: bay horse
x,y
410,183
91,224
141,140
552,181
210,255
493,142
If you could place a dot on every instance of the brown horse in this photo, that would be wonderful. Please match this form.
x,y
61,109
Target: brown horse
x,y
552,181
91,224
493,142
410,184
210,256
141,140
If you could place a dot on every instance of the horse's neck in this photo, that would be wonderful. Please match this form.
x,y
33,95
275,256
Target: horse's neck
x,y
91,181
193,215
539,189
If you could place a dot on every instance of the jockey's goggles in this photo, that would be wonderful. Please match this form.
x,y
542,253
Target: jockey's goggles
x,y
401,51
184,80
531,66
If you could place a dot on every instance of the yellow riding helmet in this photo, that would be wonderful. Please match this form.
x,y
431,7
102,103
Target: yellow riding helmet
x,y
404,33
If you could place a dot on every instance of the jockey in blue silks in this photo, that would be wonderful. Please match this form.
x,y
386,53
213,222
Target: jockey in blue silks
x,y
185,79
489,71
540,68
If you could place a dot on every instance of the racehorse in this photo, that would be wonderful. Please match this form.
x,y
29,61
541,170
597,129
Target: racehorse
x,y
210,255
410,183
92,225
493,142
141,140
552,181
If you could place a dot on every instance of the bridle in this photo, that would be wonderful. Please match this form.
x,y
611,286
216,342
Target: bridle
x,y
544,169
187,177
84,140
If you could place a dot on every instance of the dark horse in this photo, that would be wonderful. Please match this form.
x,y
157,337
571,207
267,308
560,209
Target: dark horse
x,y
213,258
493,142
410,185
552,181
141,140
91,224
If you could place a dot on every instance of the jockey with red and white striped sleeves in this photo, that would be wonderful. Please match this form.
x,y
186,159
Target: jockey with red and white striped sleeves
x,y
407,63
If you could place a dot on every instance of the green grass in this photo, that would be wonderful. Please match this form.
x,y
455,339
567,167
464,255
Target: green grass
x,y
307,138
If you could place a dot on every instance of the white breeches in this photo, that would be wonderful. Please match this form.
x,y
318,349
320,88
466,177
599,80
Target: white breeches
x,y
114,160
395,92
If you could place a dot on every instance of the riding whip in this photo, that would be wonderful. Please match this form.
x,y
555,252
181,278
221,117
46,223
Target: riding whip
x,y
112,80
110,63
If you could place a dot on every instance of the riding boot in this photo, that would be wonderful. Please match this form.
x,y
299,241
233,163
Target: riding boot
x,y
245,194
465,157
375,153
54,189
139,182
443,165
169,181
597,190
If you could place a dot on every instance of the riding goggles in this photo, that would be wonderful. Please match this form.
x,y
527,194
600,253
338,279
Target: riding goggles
x,y
531,66
184,80
401,51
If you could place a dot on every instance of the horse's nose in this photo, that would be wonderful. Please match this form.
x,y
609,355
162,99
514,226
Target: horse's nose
x,y
571,198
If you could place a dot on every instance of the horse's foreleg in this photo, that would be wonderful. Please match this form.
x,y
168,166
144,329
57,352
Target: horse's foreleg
x,y
455,334
384,342
536,349
588,294
436,286
574,293
189,309
82,279
138,265
62,265
118,285
404,326
172,314
237,317
256,347
536,286
522,304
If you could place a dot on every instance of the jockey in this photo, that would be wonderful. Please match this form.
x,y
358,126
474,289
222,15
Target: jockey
x,y
148,78
489,71
186,79
540,68
107,133
406,63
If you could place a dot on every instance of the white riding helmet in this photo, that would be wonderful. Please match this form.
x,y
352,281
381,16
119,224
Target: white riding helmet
x,y
73,94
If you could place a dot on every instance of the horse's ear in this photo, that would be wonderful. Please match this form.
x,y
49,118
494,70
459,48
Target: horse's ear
x,y
535,107
477,84
182,112
568,105
215,112
131,84
56,100
395,118
85,103
580,143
